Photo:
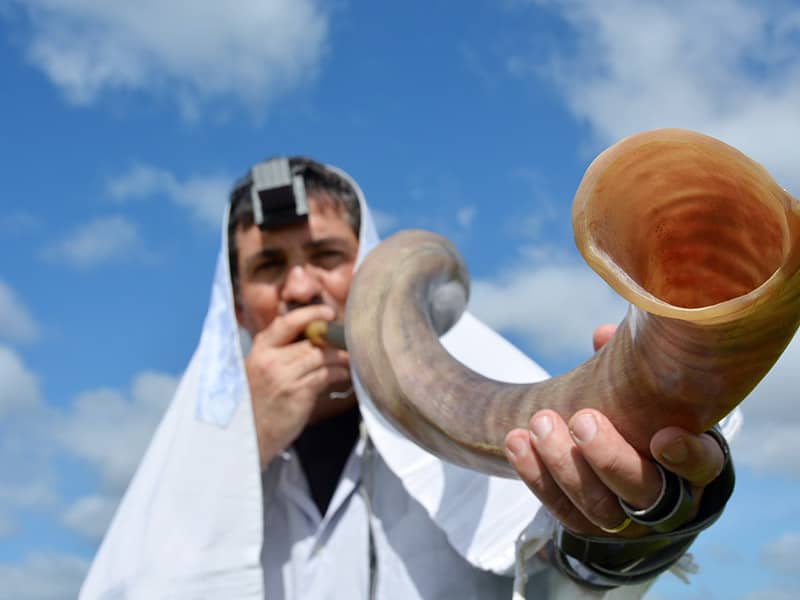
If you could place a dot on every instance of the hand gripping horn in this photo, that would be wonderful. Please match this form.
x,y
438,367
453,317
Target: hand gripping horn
x,y
696,236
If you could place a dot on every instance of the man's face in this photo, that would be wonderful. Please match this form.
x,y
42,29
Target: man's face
x,y
293,266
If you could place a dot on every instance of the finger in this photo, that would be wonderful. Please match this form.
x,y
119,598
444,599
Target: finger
x,y
696,458
287,328
333,355
619,465
324,376
314,358
569,469
601,335
267,363
533,472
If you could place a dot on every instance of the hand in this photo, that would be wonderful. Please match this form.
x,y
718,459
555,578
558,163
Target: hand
x,y
578,468
286,377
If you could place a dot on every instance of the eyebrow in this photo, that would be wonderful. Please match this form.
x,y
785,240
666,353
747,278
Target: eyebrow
x,y
323,242
264,253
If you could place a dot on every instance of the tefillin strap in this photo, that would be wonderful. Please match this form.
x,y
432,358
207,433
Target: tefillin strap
x,y
277,194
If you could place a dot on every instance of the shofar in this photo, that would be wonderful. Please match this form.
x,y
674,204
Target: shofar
x,y
696,236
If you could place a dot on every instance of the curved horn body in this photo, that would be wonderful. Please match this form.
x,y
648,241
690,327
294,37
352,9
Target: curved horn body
x,y
696,236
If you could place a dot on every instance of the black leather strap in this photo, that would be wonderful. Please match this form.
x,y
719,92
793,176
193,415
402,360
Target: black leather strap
x,y
617,561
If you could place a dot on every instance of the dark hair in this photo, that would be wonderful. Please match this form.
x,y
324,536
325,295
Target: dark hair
x,y
317,178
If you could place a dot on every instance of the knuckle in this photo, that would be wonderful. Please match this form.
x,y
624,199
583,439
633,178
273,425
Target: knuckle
x,y
561,462
564,510
321,376
535,479
284,389
561,506
597,505
609,463
316,376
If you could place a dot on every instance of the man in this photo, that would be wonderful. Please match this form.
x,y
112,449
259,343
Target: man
x,y
347,511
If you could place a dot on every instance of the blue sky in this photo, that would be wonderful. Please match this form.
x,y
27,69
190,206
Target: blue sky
x,y
123,124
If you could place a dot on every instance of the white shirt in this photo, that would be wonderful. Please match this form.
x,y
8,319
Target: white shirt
x,y
310,556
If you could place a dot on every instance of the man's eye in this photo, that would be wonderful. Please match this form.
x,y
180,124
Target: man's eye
x,y
329,259
268,267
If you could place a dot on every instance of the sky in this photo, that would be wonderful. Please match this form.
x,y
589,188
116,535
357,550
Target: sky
x,y
123,124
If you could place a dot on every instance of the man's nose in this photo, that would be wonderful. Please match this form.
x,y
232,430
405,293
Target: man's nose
x,y
302,287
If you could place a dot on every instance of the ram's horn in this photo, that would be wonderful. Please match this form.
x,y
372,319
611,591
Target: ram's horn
x,y
696,236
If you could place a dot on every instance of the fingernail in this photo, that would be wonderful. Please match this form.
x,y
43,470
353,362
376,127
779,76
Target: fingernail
x,y
676,451
584,427
541,427
515,446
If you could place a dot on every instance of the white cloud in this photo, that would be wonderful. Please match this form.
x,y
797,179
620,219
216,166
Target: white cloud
x,y
205,196
770,439
7,526
729,68
42,577
141,181
30,495
16,322
783,553
104,428
555,307
384,221
90,515
771,594
20,389
110,431
465,216
541,209
251,51
102,240
19,222
27,481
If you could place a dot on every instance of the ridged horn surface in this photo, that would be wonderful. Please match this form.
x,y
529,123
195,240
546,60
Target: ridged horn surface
x,y
696,236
